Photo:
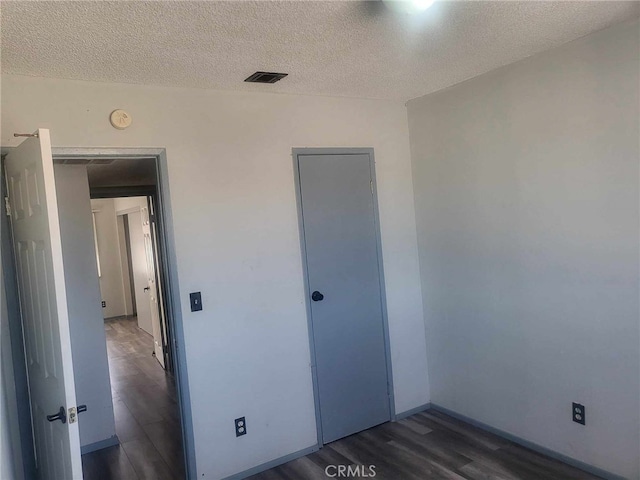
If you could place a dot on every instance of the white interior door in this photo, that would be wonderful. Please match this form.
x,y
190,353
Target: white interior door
x,y
153,288
140,275
43,301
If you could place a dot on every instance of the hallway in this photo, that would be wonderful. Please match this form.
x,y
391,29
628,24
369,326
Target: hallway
x,y
146,412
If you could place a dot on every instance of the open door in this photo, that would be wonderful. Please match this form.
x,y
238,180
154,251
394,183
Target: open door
x,y
43,302
153,291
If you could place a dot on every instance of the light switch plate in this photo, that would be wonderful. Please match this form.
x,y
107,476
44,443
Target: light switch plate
x,y
195,299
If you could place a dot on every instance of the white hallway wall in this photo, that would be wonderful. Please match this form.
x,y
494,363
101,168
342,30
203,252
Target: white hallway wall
x,y
526,189
111,285
236,232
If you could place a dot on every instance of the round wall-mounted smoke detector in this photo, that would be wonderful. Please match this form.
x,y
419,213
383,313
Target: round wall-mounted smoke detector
x,y
120,119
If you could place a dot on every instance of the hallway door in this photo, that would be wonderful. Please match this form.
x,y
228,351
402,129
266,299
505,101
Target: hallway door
x,y
140,273
152,287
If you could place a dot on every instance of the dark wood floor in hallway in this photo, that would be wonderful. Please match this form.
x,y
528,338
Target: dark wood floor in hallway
x,y
426,446
146,412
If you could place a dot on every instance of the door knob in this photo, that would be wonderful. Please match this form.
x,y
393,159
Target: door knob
x,y
146,289
61,415
317,296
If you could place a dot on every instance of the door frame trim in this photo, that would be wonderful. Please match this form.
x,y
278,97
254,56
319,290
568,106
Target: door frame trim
x,y
167,251
296,153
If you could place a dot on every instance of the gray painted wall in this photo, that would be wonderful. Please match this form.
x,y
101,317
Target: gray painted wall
x,y
526,195
88,340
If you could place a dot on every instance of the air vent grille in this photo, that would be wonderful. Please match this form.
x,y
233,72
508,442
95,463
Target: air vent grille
x,y
265,77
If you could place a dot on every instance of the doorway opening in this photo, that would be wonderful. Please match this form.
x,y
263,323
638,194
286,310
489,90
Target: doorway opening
x,y
128,238
141,370
60,214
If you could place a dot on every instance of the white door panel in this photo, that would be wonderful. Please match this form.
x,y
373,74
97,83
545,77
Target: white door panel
x,y
43,301
140,274
152,286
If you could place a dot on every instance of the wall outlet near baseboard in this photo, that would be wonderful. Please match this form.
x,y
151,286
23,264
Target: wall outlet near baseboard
x,y
578,413
104,304
241,426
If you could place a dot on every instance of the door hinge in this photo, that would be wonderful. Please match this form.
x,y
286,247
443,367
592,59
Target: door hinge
x,y
7,206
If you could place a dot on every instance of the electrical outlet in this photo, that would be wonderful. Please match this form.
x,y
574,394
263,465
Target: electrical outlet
x,y
104,304
241,426
578,413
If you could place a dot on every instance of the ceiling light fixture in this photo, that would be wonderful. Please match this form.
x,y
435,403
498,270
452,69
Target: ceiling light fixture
x,y
409,6
422,5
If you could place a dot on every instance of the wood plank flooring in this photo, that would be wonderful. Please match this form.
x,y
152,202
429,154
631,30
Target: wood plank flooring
x,y
428,445
145,408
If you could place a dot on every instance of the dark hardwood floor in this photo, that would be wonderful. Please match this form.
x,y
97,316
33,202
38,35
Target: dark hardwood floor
x,y
428,445
146,412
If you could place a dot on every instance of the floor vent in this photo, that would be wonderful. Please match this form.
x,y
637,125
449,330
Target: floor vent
x,y
265,77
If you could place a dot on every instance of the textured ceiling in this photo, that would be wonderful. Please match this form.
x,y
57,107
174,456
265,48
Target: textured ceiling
x,y
355,49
